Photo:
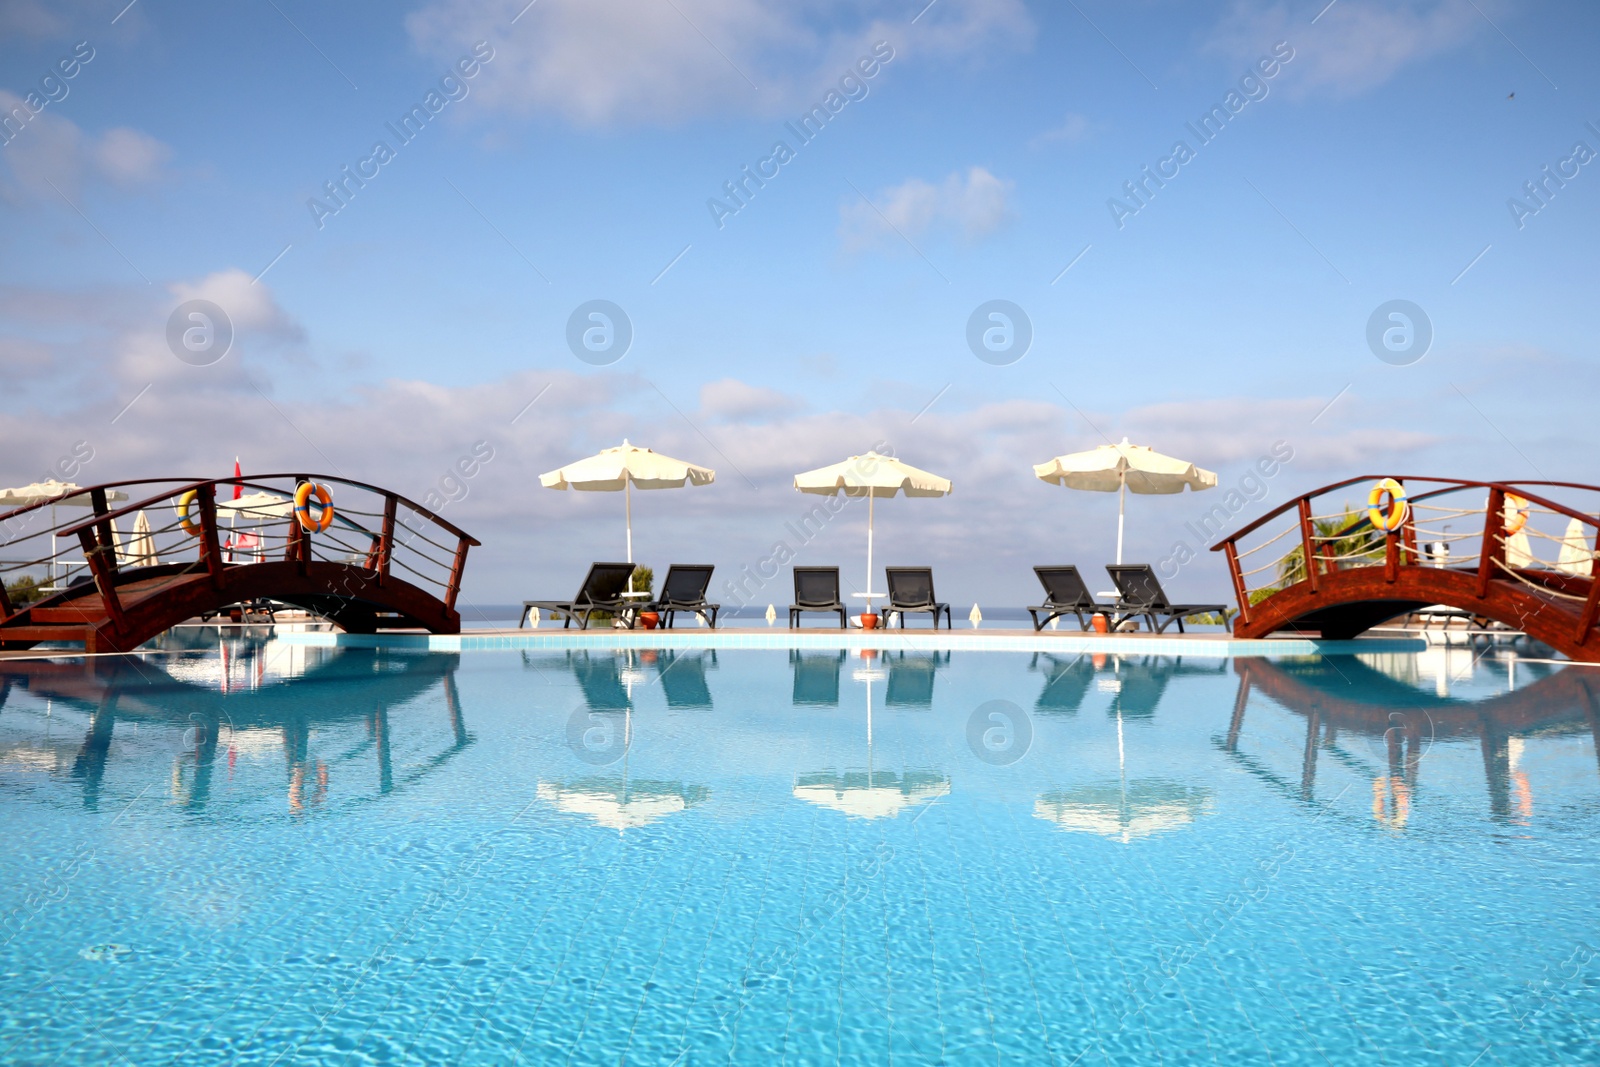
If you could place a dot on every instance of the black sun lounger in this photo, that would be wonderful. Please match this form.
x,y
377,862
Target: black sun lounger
x,y
601,592
816,589
911,589
1065,593
685,590
1142,598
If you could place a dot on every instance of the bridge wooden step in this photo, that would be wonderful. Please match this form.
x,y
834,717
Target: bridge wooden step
x,y
44,633
79,613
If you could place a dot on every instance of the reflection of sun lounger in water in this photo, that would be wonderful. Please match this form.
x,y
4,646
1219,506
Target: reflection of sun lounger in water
x,y
816,678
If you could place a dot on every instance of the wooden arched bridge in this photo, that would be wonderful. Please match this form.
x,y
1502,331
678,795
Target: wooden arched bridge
x,y
1517,553
124,574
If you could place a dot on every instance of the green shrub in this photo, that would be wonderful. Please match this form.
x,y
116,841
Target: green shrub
x,y
25,590
643,580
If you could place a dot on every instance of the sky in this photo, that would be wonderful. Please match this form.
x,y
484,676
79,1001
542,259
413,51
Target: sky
x,y
1193,211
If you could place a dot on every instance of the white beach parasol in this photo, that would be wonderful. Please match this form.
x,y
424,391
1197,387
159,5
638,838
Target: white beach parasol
x,y
141,550
258,506
872,476
620,469
1576,557
71,495
1122,467
56,494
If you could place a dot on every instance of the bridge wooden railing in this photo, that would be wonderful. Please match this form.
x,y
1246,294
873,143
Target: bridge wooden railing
x,y
1499,531
376,531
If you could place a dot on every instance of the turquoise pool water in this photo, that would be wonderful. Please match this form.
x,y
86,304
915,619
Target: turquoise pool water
x,y
263,854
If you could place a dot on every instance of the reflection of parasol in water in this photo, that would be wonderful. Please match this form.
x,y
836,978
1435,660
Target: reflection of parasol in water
x,y
1146,806
867,795
870,794
1125,810
620,804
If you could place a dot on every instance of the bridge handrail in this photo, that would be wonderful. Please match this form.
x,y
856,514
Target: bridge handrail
x,y
252,482
1446,485
97,534
1396,549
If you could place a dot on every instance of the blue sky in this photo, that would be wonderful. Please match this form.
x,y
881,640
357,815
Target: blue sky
x,y
830,312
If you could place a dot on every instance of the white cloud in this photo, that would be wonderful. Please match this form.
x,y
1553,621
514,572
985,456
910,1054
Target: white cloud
x,y
50,148
601,62
29,18
129,157
736,401
86,355
250,305
1356,45
973,204
1072,129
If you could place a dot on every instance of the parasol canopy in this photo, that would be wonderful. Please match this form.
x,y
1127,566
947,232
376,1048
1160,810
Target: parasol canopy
x,y
1122,468
55,493
620,469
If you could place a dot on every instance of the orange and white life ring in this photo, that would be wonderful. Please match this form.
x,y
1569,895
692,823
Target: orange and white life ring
x,y
302,507
1516,513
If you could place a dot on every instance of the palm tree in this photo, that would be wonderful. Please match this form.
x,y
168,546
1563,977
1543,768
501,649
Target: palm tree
x,y
1348,538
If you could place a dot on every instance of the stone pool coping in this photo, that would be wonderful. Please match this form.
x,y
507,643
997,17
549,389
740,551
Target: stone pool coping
x,y
1219,646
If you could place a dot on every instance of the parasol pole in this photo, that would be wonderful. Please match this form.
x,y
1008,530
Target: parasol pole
x,y
1122,498
627,492
870,498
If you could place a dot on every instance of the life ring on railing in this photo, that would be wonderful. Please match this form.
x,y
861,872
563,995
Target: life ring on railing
x,y
1516,513
193,529
1398,510
302,507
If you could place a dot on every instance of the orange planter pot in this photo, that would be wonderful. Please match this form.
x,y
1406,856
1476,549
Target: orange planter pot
x,y
1101,625
869,622
649,619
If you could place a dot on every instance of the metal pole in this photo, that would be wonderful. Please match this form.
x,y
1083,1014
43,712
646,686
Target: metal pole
x,y
1122,497
870,500
627,492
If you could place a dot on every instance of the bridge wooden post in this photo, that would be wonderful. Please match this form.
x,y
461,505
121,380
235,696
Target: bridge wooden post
x,y
1494,538
291,548
210,549
1391,557
1241,700
458,565
386,548
1408,533
1231,551
108,541
1591,603
1306,551
6,609
104,577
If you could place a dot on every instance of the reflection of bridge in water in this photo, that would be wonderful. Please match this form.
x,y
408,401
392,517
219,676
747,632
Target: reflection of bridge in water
x,y
1408,721
212,721
375,560
1502,551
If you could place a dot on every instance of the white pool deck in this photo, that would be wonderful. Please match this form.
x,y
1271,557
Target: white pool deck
x,y
547,638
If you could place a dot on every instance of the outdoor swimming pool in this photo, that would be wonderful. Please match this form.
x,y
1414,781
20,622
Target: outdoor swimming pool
x,y
264,853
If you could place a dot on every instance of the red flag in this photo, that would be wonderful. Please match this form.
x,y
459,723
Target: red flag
x,y
238,490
